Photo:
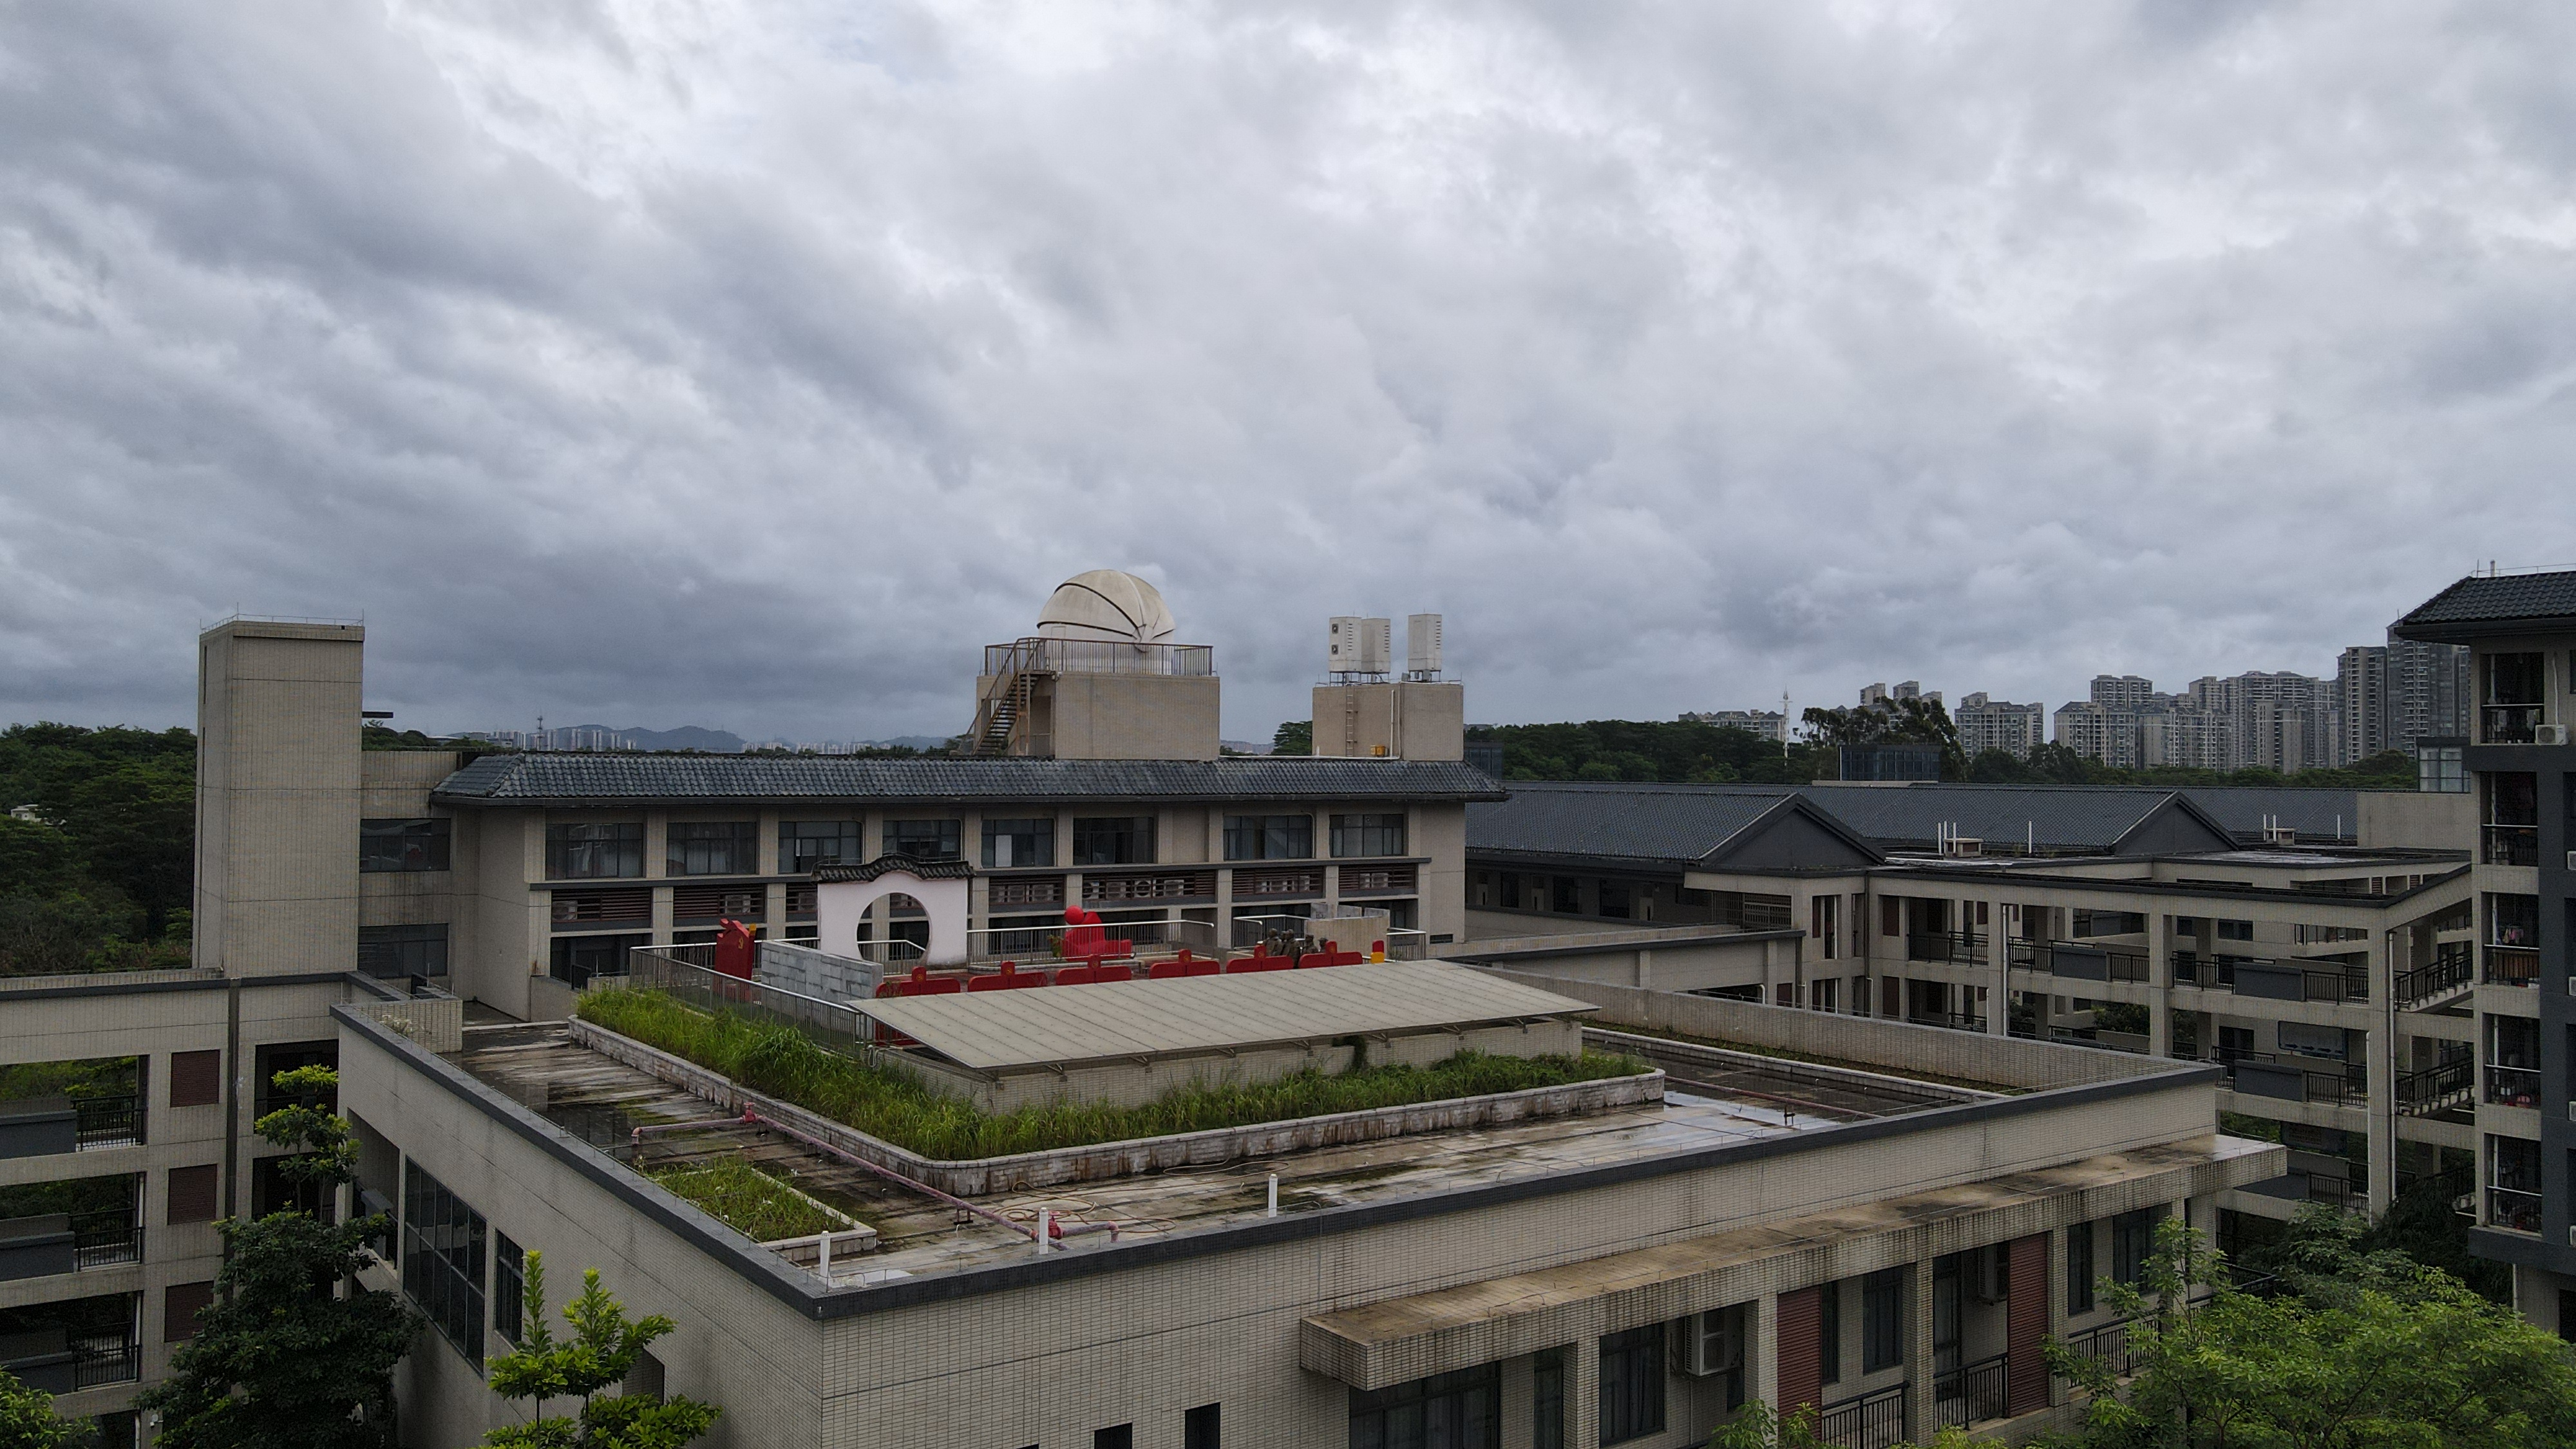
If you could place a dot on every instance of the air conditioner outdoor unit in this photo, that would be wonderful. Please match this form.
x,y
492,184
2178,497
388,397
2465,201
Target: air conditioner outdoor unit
x,y
2549,734
1712,1347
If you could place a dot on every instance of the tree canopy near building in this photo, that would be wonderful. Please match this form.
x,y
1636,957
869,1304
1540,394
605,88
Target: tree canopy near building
x,y
97,847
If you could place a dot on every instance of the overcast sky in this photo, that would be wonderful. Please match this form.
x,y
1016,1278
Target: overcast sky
x,y
751,365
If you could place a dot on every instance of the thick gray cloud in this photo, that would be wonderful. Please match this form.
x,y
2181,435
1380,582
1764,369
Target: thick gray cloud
x,y
750,365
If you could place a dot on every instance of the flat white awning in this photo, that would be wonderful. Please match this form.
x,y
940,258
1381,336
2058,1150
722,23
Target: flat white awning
x,y
1064,1026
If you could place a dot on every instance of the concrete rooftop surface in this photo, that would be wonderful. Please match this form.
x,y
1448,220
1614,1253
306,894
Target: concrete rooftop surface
x,y
1710,1099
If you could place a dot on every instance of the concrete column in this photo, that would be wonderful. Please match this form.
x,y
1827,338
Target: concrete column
x,y
1999,959
2160,984
661,915
1762,1361
2384,1065
1583,1394
1645,969
2058,1288
1517,1403
1918,1352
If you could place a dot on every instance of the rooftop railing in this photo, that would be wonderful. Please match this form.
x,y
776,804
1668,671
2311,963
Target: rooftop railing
x,y
1099,656
828,1024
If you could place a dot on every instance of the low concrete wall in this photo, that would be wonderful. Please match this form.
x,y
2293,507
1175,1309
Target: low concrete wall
x,y
1688,1055
437,1024
1900,1047
1029,1171
818,974
549,999
1673,958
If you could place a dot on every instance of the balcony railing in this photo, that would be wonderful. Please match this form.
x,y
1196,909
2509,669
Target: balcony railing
x,y
2272,980
58,1363
2513,1209
1971,1394
2508,724
1871,1421
2512,966
2296,1079
2447,972
2509,845
1964,947
2107,1344
109,1122
2513,1087
1955,1021
2446,1087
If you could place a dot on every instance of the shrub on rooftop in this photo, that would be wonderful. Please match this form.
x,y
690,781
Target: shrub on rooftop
x,y
886,1101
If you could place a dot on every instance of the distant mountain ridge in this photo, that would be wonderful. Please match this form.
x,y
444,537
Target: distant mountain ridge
x,y
686,737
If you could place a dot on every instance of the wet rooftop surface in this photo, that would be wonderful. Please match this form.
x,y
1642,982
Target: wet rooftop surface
x,y
601,1102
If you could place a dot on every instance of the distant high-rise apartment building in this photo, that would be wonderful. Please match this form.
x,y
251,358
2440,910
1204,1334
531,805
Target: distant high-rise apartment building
x,y
1770,724
2427,695
1881,694
2359,707
2098,732
1993,724
2122,691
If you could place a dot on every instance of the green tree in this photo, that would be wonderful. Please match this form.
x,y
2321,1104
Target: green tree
x,y
2363,1349
1296,737
602,1351
293,1353
27,1418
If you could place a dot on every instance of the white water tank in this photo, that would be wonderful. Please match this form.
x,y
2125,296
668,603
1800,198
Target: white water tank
x,y
1358,646
1422,645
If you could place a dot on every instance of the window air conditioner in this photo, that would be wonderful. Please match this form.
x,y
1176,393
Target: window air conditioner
x,y
1712,1343
2549,734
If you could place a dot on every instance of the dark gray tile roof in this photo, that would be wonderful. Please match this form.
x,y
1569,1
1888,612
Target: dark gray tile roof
x,y
2314,814
1635,822
2491,601
1685,822
565,777
2055,817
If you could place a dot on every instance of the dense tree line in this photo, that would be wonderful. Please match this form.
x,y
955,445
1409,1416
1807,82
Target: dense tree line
x,y
97,830
1686,750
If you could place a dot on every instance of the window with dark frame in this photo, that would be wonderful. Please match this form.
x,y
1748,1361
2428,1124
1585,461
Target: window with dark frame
x,y
925,839
1882,1320
573,960
2079,1269
1113,840
1632,1384
1565,896
1829,1334
805,844
402,845
1364,835
391,952
712,847
2133,1240
509,1288
1547,1399
1203,1427
595,851
443,1243
1270,837
1019,842
1464,1407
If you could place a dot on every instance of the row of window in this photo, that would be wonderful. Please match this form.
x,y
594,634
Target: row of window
x,y
615,849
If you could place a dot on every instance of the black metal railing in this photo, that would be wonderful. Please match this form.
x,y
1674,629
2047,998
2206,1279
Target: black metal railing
x,y
1871,1421
2513,1087
2512,966
2448,971
2513,1209
1963,946
100,1239
2107,1344
2509,845
2321,1081
105,1122
104,1358
2448,1087
2508,724
1971,1394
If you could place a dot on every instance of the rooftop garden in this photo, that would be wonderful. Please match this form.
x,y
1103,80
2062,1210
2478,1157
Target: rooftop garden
x,y
896,1106
749,1201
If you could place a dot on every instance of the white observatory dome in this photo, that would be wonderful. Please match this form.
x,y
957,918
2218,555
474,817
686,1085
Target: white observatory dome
x,y
1106,604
